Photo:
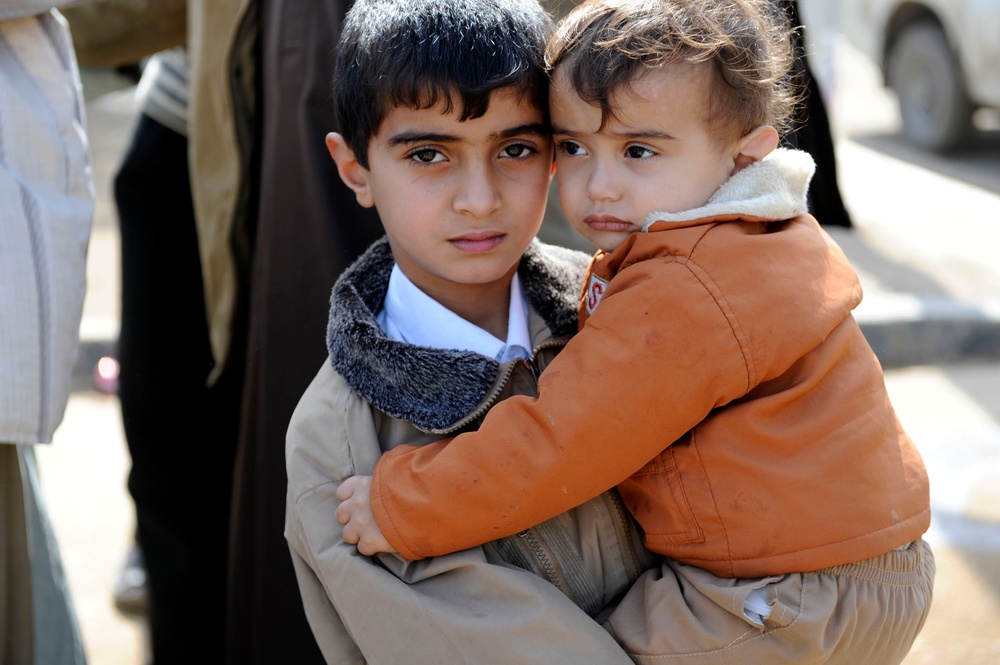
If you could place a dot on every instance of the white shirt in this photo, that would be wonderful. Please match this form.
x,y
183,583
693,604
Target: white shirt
x,y
410,315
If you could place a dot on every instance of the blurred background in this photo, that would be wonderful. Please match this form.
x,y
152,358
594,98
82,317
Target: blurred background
x,y
919,170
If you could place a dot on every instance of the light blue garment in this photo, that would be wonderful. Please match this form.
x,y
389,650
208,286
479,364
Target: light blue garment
x,y
163,93
46,209
58,640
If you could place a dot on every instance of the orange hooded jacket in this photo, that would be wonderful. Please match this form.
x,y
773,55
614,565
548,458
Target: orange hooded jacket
x,y
719,380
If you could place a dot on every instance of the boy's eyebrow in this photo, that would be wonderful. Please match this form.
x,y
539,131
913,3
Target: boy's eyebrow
x,y
541,129
408,137
420,137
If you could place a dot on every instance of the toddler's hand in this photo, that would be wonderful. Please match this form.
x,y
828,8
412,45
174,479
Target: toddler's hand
x,y
355,513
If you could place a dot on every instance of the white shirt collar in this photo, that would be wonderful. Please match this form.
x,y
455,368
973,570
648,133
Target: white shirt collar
x,y
410,315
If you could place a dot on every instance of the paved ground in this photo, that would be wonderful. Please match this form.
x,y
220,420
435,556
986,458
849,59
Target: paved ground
x,y
928,231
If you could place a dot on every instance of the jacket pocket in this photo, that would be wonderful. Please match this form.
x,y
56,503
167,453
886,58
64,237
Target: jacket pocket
x,y
656,497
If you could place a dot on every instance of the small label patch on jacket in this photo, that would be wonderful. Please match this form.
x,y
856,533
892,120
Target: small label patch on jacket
x,y
595,291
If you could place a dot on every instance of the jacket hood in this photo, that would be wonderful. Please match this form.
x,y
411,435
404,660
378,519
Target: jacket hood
x,y
433,388
773,188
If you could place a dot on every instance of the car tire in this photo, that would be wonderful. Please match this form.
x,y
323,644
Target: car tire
x,y
922,70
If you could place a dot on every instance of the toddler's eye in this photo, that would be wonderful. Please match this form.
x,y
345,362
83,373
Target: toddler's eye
x,y
572,148
638,152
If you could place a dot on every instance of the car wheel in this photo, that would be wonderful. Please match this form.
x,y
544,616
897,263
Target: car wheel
x,y
921,68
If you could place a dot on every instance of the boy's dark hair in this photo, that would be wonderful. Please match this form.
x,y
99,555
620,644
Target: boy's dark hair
x,y
607,44
415,53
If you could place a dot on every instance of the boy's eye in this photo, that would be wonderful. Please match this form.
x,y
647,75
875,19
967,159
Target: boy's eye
x,y
426,155
638,152
518,150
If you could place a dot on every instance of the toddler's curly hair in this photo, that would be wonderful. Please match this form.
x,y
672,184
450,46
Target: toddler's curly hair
x,y
604,45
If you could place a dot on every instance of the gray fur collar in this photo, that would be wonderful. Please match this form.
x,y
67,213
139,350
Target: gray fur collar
x,y
434,388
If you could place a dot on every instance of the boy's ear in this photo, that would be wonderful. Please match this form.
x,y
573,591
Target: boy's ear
x,y
755,146
351,172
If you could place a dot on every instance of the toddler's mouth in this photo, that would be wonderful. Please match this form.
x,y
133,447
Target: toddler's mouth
x,y
607,223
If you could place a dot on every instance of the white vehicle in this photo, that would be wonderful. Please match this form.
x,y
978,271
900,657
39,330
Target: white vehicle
x,y
941,57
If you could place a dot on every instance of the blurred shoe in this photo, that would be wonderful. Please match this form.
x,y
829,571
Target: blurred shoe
x,y
130,588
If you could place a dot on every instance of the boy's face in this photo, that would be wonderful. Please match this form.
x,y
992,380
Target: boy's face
x,y
460,201
657,154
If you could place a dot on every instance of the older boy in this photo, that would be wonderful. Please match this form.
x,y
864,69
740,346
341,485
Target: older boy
x,y
719,380
441,107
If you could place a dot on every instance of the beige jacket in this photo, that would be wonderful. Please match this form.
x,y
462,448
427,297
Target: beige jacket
x,y
471,606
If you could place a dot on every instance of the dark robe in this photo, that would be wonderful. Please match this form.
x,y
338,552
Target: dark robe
x,y
308,229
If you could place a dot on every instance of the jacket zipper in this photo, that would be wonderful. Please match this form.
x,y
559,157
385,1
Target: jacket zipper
x,y
532,369
544,560
627,534
532,366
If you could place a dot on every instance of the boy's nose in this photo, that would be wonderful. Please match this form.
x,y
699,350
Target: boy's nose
x,y
478,194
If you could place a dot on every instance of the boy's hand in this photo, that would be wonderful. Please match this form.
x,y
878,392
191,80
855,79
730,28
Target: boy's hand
x,y
355,513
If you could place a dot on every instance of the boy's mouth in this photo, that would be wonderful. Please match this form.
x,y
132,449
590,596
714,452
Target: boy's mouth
x,y
479,242
607,223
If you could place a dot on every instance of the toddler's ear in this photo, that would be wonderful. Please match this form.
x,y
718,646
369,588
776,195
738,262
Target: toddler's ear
x,y
351,172
755,146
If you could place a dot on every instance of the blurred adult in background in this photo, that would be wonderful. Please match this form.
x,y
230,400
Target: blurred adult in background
x,y
46,208
180,431
308,229
274,229
811,132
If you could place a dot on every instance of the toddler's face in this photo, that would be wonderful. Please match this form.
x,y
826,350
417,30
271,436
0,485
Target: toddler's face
x,y
657,154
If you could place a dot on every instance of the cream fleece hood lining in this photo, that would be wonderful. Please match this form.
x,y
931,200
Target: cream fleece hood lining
x,y
773,188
